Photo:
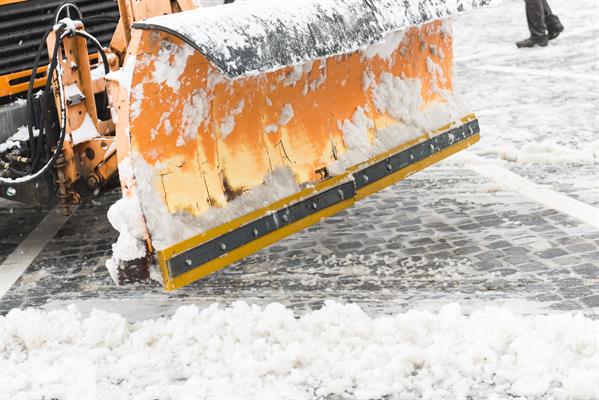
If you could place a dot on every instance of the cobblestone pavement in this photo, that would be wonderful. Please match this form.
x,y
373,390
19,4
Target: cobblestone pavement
x,y
430,240
444,235
17,222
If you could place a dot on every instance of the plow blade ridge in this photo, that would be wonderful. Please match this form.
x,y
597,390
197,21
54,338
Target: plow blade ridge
x,y
240,125
281,33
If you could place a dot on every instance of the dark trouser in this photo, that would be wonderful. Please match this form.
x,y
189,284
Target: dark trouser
x,y
539,16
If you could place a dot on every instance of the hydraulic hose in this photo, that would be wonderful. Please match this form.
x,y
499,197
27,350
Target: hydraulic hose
x,y
54,66
31,114
102,53
28,175
98,47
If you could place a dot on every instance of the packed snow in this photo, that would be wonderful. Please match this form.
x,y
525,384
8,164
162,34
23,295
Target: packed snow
x,y
227,124
125,216
14,141
286,115
402,100
195,113
170,63
251,352
167,229
85,132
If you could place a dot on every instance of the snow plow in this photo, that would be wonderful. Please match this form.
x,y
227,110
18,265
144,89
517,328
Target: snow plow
x,y
232,127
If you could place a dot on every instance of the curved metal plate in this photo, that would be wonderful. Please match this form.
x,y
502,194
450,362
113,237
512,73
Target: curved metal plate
x,y
251,37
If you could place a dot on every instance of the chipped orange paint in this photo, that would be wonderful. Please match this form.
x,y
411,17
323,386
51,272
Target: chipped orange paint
x,y
210,166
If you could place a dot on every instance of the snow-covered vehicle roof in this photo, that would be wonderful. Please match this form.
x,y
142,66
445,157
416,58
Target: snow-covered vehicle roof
x,y
250,37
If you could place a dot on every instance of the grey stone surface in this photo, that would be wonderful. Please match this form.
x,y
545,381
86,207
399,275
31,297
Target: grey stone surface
x,y
363,255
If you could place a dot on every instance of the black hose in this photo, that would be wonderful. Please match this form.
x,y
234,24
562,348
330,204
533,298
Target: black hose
x,y
31,114
33,176
36,144
27,176
98,47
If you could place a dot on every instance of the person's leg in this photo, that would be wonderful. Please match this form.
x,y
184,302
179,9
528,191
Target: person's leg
x,y
554,25
546,9
535,15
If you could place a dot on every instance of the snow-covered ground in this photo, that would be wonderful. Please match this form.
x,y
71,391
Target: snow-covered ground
x,y
248,352
538,112
538,107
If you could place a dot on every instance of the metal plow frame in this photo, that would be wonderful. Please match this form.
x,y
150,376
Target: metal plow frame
x,y
206,168
209,252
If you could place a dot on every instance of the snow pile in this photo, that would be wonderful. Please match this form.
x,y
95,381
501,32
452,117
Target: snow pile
x,y
124,76
14,141
400,99
85,132
167,229
545,151
125,216
170,64
255,353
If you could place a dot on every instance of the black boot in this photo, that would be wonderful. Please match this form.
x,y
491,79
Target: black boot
x,y
554,26
533,41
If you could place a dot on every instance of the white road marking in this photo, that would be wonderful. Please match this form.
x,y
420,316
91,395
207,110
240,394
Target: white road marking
x,y
539,72
541,194
512,48
482,54
18,261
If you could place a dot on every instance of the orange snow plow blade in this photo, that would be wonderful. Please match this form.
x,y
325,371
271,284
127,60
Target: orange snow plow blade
x,y
227,159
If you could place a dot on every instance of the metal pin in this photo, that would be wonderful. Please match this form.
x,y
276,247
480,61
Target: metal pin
x,y
314,205
223,246
389,167
188,262
285,217
255,232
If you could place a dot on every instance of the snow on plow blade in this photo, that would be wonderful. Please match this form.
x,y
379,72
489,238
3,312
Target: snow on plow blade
x,y
240,125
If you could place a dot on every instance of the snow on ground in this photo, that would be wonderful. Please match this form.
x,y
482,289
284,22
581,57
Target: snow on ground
x,y
538,113
537,107
265,353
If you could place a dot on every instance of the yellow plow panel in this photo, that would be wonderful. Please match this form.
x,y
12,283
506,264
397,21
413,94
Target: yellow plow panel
x,y
201,143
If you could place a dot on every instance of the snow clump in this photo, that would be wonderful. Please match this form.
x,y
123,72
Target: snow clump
x,y
126,217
